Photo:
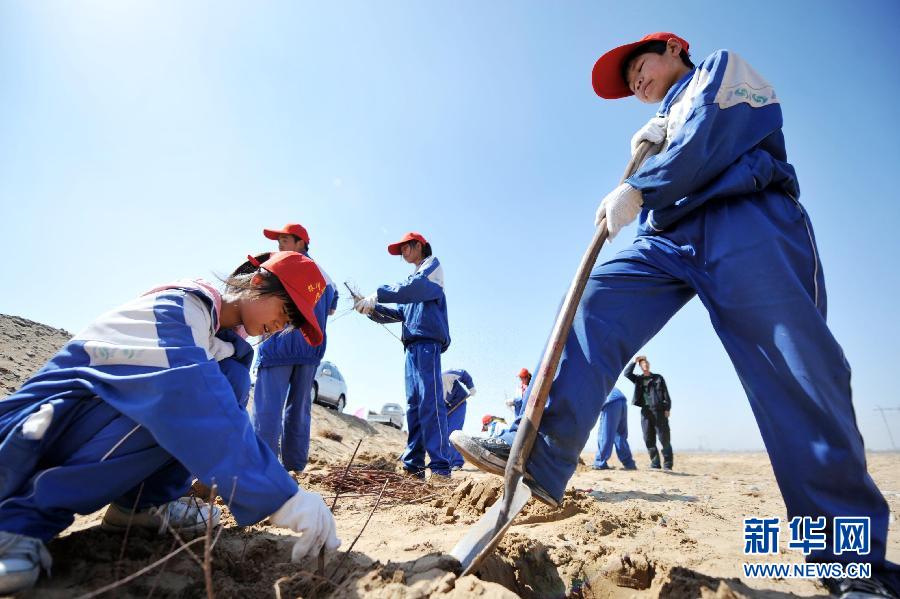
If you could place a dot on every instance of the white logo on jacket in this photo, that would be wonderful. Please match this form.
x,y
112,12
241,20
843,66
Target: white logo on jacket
x,y
741,84
129,335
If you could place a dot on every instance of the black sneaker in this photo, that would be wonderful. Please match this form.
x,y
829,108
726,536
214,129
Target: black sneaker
x,y
858,588
490,455
487,453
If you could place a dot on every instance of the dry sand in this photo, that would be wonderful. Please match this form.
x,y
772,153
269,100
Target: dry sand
x,y
618,534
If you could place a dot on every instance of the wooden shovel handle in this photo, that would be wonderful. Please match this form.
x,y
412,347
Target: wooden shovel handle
x,y
537,399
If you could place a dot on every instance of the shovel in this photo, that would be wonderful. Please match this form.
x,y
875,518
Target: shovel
x,y
481,540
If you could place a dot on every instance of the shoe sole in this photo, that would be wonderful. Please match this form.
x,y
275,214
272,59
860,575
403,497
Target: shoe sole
x,y
13,582
488,462
477,455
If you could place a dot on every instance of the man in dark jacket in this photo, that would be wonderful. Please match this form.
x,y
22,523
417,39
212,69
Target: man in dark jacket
x,y
652,397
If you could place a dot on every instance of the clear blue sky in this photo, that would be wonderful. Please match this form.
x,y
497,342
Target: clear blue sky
x,y
143,141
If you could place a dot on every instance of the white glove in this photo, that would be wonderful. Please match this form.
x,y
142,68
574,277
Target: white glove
x,y
619,207
366,304
654,132
307,513
36,425
472,392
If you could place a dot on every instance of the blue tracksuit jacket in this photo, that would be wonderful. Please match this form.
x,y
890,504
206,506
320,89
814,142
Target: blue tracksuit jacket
x,y
421,305
290,347
723,139
138,392
458,385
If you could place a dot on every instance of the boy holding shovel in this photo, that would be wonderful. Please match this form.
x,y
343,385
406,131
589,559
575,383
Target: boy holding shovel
x,y
720,219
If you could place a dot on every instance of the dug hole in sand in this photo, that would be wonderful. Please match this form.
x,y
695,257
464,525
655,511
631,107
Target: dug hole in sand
x,y
617,534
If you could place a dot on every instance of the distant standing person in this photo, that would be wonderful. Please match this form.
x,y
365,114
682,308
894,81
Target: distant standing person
x,y
652,397
518,403
422,308
458,388
613,431
282,402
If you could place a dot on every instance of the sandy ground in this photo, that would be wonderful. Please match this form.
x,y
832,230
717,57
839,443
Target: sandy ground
x,y
25,346
618,534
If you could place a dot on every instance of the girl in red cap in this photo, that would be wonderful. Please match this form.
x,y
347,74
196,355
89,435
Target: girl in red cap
x,y
422,308
148,395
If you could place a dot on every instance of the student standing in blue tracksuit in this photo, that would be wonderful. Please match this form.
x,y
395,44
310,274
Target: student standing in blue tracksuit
x,y
613,431
719,219
458,388
422,308
518,402
282,402
142,398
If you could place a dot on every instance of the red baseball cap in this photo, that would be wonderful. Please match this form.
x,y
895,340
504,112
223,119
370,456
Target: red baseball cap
x,y
394,248
607,74
524,373
486,419
304,282
289,229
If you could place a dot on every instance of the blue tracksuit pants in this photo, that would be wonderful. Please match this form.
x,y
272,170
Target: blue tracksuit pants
x,y
89,456
753,262
426,412
282,411
455,421
613,431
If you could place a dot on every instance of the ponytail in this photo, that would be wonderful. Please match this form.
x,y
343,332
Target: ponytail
x,y
253,281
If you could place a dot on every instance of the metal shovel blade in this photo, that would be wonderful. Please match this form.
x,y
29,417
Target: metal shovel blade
x,y
487,532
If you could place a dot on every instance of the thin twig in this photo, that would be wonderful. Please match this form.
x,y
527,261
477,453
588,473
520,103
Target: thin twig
x,y
178,539
359,534
207,546
340,315
128,529
161,570
320,565
140,572
230,500
337,492
422,498
356,297
244,550
278,582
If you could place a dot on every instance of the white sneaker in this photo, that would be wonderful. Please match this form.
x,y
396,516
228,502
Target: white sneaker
x,y
21,561
185,515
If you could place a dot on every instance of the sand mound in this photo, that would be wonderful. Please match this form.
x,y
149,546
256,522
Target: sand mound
x,y
25,346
